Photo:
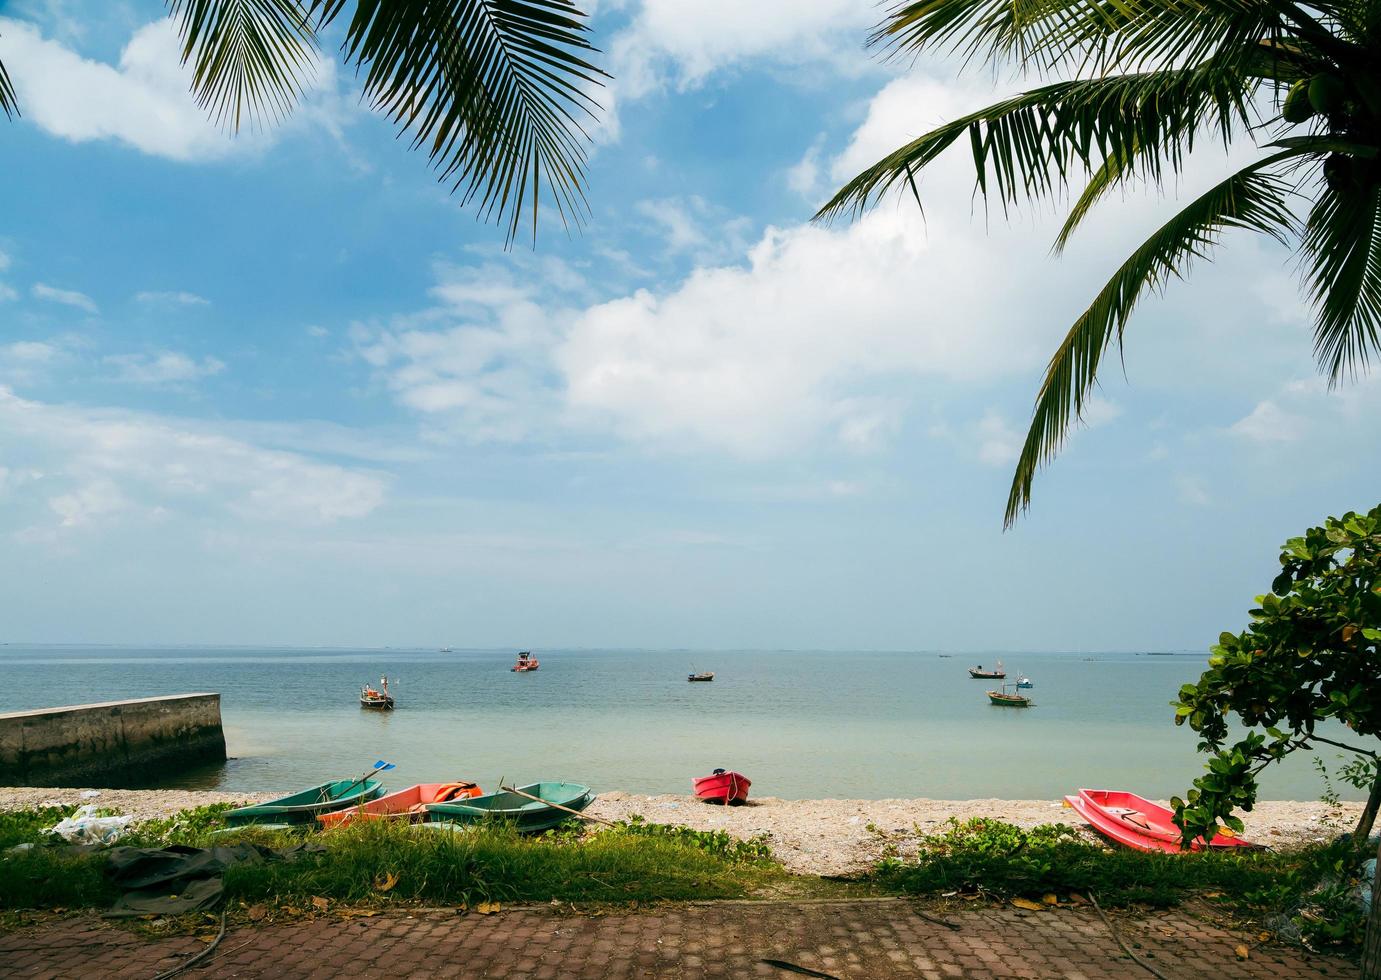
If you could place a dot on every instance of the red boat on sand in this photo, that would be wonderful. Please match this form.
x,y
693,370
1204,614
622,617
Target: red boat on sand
x,y
1138,823
722,787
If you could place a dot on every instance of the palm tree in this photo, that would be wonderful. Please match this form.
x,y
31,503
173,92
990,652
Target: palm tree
x,y
1149,79
497,91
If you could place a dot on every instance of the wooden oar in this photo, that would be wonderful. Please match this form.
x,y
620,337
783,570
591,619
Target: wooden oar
x,y
557,806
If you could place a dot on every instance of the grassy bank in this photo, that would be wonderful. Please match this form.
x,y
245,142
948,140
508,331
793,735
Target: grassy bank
x,y
1307,894
378,863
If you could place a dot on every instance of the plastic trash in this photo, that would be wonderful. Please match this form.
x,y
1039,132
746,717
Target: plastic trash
x,y
84,827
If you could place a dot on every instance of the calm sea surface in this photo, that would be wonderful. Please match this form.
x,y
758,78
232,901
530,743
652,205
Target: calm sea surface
x,y
801,724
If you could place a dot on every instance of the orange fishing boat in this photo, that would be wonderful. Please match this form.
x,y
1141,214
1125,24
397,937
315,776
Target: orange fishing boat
x,y
526,662
406,804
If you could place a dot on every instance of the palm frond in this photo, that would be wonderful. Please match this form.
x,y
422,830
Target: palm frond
x,y
9,105
498,91
1029,144
1250,198
249,57
1127,34
1342,242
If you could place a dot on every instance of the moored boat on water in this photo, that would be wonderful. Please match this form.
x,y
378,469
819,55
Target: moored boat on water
x,y
526,661
707,675
1024,681
306,806
997,673
527,814
1136,822
377,698
405,804
1009,698
722,786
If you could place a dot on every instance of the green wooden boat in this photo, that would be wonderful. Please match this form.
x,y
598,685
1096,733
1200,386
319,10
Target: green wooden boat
x,y
304,807
527,815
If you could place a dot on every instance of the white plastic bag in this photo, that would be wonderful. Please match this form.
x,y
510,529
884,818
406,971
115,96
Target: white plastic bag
x,y
84,827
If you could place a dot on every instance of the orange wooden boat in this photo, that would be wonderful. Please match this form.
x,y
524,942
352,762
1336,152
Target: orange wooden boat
x,y
722,787
406,804
1136,822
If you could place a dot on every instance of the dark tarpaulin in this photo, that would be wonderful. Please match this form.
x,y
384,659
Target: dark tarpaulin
x,y
178,879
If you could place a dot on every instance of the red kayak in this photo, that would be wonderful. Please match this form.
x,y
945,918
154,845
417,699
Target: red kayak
x,y
1136,822
722,787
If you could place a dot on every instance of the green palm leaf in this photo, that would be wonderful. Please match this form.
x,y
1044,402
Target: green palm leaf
x,y
1028,144
249,57
1342,243
497,91
1250,199
8,104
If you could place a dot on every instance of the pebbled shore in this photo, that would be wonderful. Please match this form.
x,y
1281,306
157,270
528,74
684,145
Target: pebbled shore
x,y
820,837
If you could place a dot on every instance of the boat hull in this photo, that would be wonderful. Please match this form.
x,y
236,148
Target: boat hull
x,y
377,704
987,675
698,678
405,804
722,787
528,816
1138,823
306,806
1009,700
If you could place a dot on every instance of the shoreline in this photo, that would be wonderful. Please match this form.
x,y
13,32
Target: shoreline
x,y
815,837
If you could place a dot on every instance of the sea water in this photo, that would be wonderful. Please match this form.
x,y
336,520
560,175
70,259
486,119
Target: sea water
x,y
801,724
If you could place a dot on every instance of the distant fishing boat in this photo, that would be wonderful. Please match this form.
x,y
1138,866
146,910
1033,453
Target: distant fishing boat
x,y
405,804
1135,822
445,650
526,661
1024,681
527,814
306,806
722,786
996,673
707,675
377,698
1009,698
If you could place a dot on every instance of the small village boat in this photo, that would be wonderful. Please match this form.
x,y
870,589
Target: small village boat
x,y
1009,698
526,661
528,815
377,698
1136,822
406,804
707,675
997,673
722,787
306,806
1024,682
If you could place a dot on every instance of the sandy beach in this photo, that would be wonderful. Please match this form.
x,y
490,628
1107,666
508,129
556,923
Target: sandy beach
x,y
820,837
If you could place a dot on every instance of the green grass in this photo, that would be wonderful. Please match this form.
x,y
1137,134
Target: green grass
x,y
379,863
1306,893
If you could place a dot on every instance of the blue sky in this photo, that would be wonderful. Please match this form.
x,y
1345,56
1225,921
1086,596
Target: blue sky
x,y
282,388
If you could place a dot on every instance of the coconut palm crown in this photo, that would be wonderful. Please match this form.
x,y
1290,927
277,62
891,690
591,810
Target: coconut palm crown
x,y
498,92
1149,79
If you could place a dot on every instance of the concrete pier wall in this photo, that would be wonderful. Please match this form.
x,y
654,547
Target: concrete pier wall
x,y
116,744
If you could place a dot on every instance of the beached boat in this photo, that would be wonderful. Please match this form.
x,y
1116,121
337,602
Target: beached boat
x,y
722,786
1009,698
997,673
306,806
526,661
377,698
707,675
406,804
528,815
1136,822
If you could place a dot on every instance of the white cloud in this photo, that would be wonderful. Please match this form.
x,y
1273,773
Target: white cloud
x,y
315,330
163,367
1191,491
67,297
692,226
143,101
687,42
29,352
998,443
171,299
7,293
4,261
98,464
1268,422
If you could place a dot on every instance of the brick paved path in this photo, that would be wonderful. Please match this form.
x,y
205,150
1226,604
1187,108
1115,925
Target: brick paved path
x,y
845,939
